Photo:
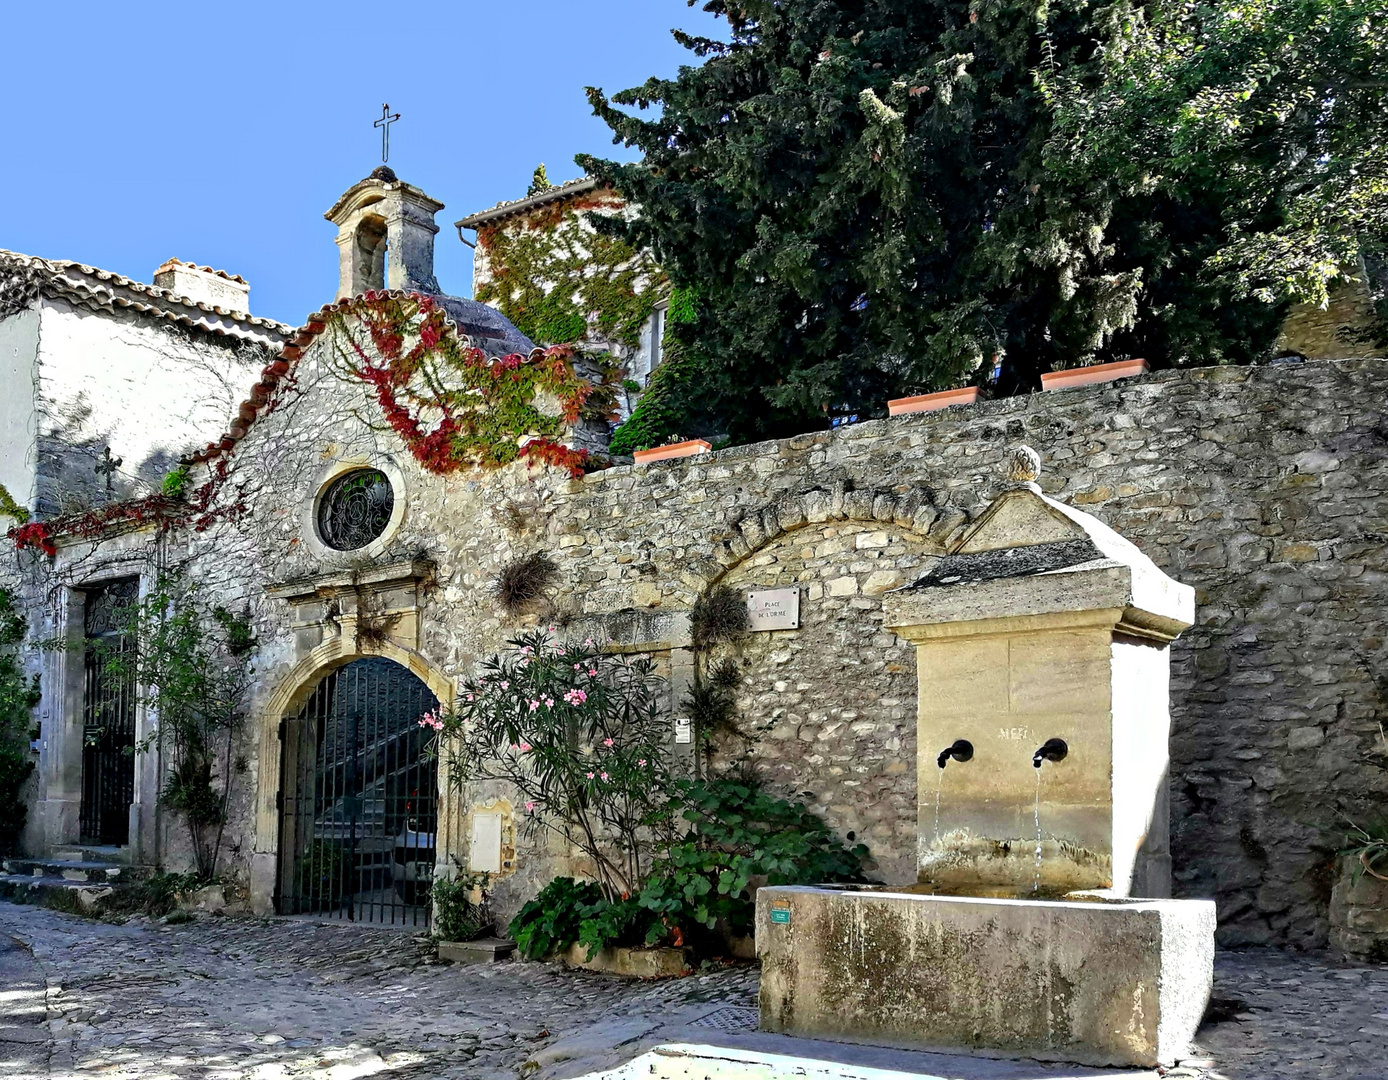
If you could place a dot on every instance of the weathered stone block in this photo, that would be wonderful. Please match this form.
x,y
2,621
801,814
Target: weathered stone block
x,y
630,963
483,951
1099,983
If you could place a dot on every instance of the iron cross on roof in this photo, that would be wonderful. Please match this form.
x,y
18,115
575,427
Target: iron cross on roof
x,y
387,118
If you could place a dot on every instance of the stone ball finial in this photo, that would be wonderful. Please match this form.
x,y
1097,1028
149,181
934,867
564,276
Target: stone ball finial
x,y
1023,466
383,172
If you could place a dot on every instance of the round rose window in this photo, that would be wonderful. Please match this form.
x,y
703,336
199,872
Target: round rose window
x,y
355,509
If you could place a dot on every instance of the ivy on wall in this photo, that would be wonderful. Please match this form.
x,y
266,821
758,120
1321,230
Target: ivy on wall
x,y
552,273
11,509
656,418
452,405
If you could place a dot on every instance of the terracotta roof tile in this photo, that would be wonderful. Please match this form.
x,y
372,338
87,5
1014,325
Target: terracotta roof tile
x,y
102,290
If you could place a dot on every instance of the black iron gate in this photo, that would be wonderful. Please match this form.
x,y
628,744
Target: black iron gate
x,y
358,798
108,716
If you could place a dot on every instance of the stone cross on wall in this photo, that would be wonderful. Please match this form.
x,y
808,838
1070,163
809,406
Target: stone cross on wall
x,y
108,466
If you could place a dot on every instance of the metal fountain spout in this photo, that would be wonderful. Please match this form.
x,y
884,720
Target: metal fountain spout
x,y
1051,750
961,750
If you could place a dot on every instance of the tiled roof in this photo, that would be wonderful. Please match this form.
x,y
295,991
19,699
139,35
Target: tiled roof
x,y
102,290
530,202
487,327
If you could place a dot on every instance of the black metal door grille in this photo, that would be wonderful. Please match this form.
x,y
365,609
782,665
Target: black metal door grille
x,y
108,717
358,798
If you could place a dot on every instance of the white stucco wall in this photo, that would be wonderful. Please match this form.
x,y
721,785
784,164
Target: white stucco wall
x,y
149,392
19,339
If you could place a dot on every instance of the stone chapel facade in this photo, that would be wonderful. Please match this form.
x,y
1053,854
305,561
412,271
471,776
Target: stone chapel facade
x,y
367,577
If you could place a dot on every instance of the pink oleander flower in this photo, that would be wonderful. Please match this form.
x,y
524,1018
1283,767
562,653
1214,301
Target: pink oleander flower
x,y
505,685
587,643
530,806
549,702
472,697
592,671
534,705
578,697
525,748
607,742
578,667
642,762
590,776
526,650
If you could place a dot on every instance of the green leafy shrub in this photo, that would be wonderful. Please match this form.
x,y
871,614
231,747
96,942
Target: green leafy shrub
x,y
568,912
175,485
156,896
456,916
553,919
741,837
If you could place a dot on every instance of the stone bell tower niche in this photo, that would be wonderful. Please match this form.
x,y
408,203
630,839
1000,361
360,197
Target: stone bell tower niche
x,y
1042,654
385,236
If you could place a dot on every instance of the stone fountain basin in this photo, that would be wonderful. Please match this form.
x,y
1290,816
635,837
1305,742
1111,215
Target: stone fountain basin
x,y
1093,980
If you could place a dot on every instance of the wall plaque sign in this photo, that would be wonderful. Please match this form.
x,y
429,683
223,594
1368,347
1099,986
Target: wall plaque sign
x,y
774,609
684,730
780,913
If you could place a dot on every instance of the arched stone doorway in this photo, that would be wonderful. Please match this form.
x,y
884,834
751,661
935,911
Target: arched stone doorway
x,y
358,814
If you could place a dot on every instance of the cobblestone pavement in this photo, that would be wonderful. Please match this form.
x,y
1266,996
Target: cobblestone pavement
x,y
1284,1016
266,999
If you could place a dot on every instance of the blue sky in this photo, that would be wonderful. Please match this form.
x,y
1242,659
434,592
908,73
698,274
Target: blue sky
x,y
220,133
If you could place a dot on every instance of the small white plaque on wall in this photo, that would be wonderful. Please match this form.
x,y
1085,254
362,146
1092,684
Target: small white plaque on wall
x,y
774,609
484,847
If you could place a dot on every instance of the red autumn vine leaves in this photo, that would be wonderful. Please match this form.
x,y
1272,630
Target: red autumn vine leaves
x,y
452,405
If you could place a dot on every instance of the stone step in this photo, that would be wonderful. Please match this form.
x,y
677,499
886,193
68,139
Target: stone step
x,y
86,871
108,853
43,890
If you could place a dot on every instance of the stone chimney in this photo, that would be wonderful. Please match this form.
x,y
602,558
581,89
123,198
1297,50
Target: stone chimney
x,y
385,236
203,285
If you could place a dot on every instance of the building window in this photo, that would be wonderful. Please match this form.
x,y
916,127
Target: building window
x,y
657,336
355,509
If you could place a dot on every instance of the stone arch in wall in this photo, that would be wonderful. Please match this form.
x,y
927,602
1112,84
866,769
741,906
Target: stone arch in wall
x,y
827,712
291,694
914,510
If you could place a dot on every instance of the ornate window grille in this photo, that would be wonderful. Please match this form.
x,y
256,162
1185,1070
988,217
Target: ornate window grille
x,y
355,509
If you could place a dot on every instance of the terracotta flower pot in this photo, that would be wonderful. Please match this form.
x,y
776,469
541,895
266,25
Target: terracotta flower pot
x,y
1099,373
941,399
688,448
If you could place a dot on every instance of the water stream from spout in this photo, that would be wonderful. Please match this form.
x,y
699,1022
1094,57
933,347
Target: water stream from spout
x,y
939,783
1036,816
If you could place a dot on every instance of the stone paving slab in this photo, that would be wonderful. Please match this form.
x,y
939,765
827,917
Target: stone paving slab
x,y
287,999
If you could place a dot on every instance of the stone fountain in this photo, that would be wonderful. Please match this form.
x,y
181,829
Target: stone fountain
x,y
1040,925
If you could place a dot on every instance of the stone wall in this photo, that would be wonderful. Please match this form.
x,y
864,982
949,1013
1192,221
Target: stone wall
x,y
1265,488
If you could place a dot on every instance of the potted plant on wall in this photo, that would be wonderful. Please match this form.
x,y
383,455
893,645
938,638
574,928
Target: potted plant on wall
x,y
1359,901
463,920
